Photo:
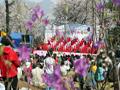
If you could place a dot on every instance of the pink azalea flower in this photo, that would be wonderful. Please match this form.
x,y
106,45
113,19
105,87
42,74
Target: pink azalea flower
x,y
116,2
38,12
29,25
100,6
45,21
34,17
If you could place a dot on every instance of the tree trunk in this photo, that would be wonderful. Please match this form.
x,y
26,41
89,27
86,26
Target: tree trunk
x,y
93,21
7,16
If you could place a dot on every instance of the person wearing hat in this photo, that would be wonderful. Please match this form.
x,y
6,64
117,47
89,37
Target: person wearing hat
x,y
8,63
48,67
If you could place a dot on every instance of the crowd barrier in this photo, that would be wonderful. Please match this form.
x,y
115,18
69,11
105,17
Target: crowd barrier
x,y
43,53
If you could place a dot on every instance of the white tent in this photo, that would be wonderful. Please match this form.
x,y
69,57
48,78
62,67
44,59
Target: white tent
x,y
72,30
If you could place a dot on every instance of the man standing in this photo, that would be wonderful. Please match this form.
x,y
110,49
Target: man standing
x,y
49,64
8,63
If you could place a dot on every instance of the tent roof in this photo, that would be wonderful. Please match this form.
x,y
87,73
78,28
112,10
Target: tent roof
x,y
16,35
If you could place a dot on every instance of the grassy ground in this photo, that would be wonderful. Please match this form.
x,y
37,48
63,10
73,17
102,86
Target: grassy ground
x,y
24,84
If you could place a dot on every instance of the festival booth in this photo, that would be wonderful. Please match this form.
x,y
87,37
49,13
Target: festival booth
x,y
17,37
22,44
70,30
20,38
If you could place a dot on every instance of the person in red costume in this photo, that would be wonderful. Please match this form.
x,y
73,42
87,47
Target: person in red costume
x,y
85,48
8,63
81,42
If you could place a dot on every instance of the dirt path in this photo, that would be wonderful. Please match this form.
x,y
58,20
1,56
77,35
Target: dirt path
x,y
24,84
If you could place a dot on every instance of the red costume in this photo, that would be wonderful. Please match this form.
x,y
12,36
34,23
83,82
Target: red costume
x,y
8,70
84,49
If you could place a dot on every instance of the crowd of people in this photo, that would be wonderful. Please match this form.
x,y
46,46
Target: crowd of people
x,y
55,72
68,72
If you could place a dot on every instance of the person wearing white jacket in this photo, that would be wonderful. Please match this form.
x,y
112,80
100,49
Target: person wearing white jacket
x,y
37,73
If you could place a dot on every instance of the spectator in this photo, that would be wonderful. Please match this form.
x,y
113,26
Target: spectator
x,y
8,63
49,64
37,75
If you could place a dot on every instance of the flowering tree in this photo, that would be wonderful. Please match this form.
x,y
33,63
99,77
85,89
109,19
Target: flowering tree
x,y
113,33
116,2
7,5
73,11
17,15
37,16
36,24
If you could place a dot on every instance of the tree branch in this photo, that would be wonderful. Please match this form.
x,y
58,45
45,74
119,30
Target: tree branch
x,y
10,4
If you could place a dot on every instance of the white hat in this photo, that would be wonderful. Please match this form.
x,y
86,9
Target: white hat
x,y
28,64
101,50
92,60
